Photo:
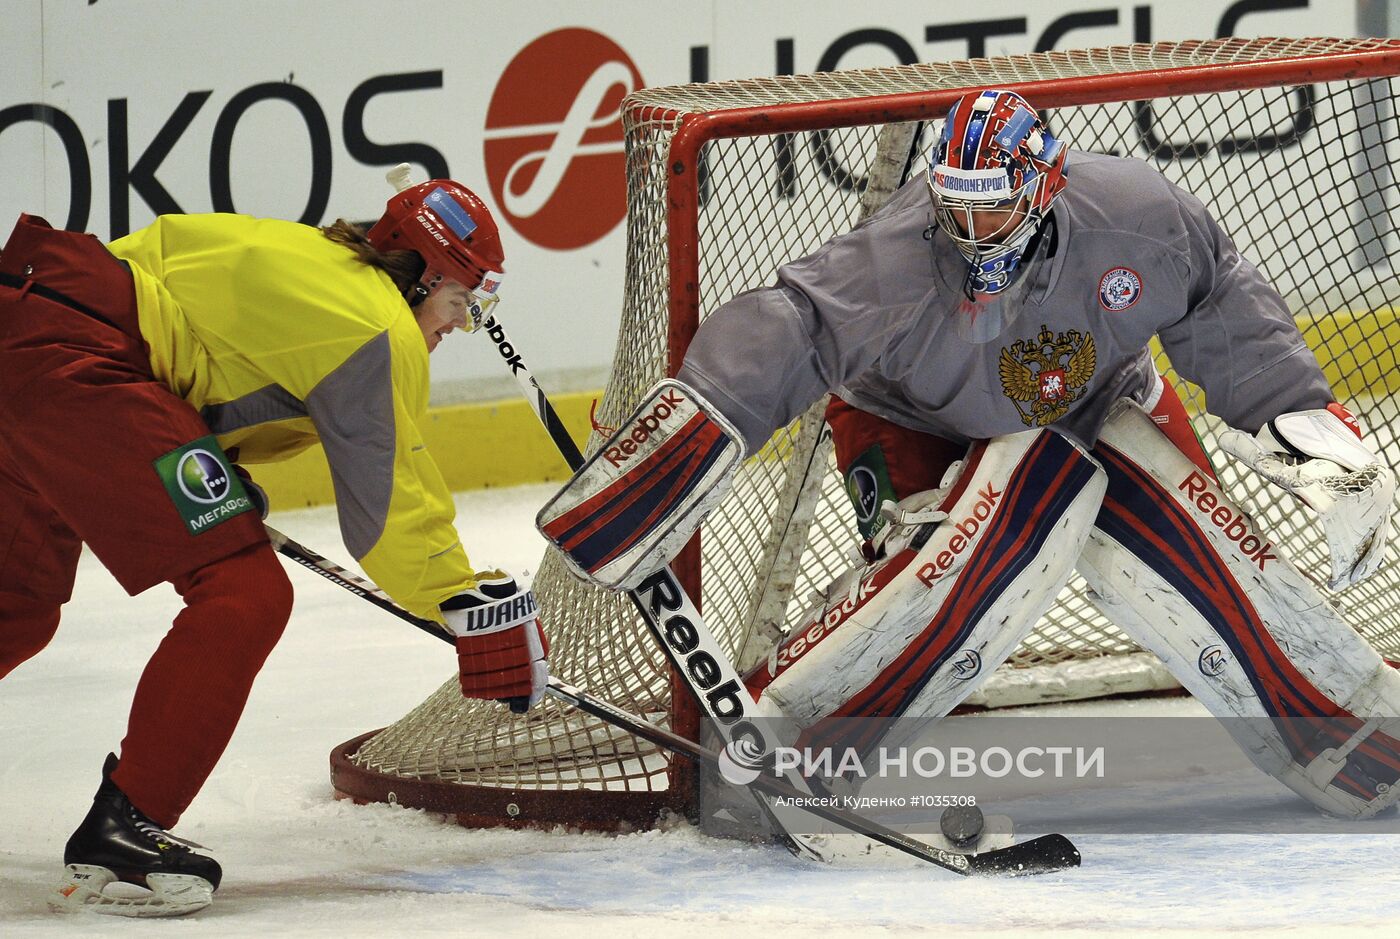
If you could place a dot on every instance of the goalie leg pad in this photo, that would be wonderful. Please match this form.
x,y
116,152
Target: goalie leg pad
x,y
637,500
918,630
1187,575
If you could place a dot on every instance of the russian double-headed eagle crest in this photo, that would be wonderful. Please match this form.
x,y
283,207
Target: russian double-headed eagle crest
x,y
1044,376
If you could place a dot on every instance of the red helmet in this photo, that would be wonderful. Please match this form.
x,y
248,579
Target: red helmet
x,y
450,228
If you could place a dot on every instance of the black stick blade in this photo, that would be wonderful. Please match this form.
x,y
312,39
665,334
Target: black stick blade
x,y
1042,855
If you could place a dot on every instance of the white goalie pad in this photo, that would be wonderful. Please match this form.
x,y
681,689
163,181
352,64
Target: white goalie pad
x,y
636,502
1319,456
1179,568
960,585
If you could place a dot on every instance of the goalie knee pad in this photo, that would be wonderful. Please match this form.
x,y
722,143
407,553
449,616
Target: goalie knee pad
x,y
960,584
1187,575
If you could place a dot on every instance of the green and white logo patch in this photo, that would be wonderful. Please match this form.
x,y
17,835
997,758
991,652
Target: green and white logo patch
x,y
202,484
868,485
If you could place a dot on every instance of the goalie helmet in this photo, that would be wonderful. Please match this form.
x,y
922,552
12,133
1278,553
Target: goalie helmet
x,y
449,227
993,175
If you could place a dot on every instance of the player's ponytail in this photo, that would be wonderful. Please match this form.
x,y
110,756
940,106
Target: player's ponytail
x,y
403,267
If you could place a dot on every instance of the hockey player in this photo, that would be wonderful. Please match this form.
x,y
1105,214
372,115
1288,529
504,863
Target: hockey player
x,y
997,409
135,378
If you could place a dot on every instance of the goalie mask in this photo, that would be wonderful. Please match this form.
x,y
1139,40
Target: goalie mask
x,y
993,175
452,230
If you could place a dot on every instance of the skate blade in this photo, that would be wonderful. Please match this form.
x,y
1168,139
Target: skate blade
x,y
859,851
84,889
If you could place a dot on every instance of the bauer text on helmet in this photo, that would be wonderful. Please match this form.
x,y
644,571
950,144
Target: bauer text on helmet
x,y
451,229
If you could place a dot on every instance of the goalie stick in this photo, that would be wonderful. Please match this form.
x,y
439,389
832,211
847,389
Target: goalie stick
x,y
1041,855
660,595
694,652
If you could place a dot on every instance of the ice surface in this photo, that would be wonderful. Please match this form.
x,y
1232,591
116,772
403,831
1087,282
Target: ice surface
x,y
297,862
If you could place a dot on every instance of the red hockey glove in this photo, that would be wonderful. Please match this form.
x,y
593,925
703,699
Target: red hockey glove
x,y
501,647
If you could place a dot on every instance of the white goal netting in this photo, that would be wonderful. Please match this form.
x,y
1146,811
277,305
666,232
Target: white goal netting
x,y
1290,151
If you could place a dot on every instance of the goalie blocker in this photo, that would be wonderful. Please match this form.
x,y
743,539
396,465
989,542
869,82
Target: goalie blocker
x,y
637,500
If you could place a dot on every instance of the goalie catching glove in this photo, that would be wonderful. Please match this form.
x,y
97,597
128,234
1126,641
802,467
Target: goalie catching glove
x,y
501,647
1319,456
636,501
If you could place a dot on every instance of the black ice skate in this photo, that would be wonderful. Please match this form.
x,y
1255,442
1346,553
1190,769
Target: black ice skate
x,y
117,845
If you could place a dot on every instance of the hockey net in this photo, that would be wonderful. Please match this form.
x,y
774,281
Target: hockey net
x,y
1290,143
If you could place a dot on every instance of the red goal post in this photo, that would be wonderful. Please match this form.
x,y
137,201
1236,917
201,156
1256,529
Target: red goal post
x,y
1289,142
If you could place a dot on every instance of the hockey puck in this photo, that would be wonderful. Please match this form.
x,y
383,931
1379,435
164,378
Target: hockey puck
x,y
961,824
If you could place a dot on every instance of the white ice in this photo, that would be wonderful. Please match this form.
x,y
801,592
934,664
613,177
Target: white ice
x,y
298,862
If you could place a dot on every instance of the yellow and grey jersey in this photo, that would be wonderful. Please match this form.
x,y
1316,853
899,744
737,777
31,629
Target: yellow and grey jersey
x,y
281,338
879,316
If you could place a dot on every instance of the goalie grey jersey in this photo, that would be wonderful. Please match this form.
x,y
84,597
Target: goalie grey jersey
x,y
879,315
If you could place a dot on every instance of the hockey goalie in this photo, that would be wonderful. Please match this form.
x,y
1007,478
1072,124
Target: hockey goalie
x,y
1001,424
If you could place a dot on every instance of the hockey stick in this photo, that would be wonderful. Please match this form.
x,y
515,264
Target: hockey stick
x,y
687,642
696,655
1037,856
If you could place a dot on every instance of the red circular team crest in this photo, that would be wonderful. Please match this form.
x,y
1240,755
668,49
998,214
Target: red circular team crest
x,y
1119,289
553,139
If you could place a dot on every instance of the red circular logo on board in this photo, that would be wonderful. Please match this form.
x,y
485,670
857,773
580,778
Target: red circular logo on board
x,y
553,139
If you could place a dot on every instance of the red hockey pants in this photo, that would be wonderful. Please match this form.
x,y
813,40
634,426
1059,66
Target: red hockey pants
x,y
912,461
82,421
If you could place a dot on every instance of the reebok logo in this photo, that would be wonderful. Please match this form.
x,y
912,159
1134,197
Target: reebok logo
x,y
1234,525
643,427
967,530
829,619
666,608
507,351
